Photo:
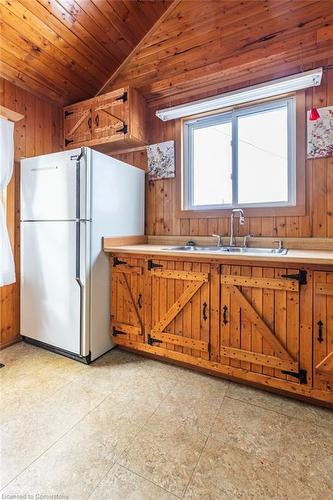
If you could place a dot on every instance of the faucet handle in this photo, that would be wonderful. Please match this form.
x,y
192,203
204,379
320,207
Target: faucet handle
x,y
190,243
279,243
219,238
245,239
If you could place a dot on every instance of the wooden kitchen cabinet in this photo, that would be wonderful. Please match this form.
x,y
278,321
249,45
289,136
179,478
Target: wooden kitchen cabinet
x,y
260,320
266,325
180,307
108,123
323,331
110,115
128,301
77,125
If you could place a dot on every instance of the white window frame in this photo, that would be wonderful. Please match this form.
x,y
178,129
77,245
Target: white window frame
x,y
189,125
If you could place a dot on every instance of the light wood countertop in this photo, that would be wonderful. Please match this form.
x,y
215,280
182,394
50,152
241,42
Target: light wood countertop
x,y
315,257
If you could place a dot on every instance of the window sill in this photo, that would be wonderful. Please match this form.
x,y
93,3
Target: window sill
x,y
297,210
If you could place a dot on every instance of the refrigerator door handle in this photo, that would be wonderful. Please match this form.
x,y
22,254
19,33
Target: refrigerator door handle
x,y
78,184
78,276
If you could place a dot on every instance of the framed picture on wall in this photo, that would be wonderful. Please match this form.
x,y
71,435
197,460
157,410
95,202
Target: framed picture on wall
x,y
320,133
161,160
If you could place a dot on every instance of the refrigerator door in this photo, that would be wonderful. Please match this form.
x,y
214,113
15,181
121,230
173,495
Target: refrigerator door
x,y
53,186
118,205
51,295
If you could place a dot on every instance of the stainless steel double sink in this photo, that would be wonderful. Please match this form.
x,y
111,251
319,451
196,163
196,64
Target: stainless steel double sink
x,y
217,249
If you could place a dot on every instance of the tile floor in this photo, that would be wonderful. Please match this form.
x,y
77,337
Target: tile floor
x,y
127,427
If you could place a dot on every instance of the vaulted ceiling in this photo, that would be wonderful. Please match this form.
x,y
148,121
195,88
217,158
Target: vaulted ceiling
x,y
205,43
68,50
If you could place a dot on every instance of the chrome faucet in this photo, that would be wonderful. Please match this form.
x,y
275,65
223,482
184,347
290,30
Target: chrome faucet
x,y
241,222
246,239
218,239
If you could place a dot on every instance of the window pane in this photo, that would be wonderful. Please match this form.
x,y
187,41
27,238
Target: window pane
x,y
212,165
263,157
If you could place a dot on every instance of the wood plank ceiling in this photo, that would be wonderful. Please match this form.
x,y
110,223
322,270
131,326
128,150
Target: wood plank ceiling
x,y
68,50
65,50
204,42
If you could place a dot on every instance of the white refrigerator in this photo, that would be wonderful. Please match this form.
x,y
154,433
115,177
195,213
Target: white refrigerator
x,y
69,201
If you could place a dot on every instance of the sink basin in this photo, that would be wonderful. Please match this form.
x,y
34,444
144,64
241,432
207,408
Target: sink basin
x,y
257,251
215,249
189,248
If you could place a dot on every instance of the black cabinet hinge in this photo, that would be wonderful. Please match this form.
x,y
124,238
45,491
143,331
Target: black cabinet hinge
x,y
151,340
122,130
301,277
122,97
118,262
68,141
151,265
116,332
301,375
68,113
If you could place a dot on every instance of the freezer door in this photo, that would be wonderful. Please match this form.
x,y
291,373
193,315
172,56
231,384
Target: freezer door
x,y
52,186
51,295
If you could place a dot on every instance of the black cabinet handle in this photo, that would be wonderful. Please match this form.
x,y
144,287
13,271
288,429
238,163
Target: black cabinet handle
x,y
97,120
89,122
204,311
320,337
225,311
139,301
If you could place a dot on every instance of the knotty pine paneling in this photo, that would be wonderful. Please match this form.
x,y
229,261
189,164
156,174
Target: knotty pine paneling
x,y
66,50
203,43
40,132
318,221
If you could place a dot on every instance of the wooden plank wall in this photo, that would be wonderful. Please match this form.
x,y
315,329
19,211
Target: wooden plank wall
x,y
318,221
40,132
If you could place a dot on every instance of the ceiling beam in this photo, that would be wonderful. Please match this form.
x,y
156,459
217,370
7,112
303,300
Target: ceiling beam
x,y
139,45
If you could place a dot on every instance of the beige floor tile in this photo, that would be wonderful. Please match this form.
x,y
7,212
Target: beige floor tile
x,y
193,403
226,472
32,392
307,458
29,433
72,467
295,488
200,385
64,425
165,453
254,396
307,412
107,430
287,406
37,377
120,484
250,428
116,372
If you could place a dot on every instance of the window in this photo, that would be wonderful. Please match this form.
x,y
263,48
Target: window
x,y
241,158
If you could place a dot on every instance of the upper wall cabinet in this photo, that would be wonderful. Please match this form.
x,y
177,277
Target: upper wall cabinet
x,y
108,123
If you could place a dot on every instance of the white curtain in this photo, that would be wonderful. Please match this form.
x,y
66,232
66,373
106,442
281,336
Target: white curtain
x,y
7,266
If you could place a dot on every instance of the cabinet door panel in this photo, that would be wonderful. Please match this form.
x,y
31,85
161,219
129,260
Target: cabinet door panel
x,y
77,125
110,115
127,300
180,307
323,331
260,320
